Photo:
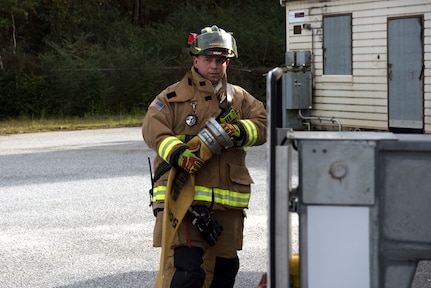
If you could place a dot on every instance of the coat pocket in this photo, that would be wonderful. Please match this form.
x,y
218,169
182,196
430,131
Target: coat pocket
x,y
240,175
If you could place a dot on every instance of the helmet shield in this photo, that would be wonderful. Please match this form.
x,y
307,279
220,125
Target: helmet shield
x,y
214,42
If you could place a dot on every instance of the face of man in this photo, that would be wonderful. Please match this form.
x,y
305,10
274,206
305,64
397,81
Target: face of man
x,y
211,68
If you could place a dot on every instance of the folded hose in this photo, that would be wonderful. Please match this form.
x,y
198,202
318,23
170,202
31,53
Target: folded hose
x,y
180,190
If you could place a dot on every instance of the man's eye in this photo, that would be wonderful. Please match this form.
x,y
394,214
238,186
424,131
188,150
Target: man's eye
x,y
217,61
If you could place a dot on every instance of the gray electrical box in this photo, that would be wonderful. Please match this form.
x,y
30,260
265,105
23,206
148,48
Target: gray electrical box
x,y
341,166
297,90
291,58
303,58
298,59
362,201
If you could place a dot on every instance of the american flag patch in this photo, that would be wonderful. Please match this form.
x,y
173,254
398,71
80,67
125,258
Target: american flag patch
x,y
157,104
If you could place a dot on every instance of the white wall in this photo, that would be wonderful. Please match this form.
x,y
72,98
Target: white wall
x,y
358,100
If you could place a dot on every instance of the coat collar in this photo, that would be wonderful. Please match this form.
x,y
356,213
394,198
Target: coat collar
x,y
186,88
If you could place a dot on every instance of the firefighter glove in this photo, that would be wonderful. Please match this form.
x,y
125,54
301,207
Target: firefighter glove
x,y
201,217
189,160
211,231
235,131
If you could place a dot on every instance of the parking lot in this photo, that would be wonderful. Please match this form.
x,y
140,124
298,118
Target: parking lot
x,y
75,211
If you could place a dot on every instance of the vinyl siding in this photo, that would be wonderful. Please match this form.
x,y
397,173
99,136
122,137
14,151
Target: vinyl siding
x,y
358,100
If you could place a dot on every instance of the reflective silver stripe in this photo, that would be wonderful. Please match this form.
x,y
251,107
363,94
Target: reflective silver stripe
x,y
225,197
221,196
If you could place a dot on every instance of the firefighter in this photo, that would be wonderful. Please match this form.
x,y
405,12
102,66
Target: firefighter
x,y
203,252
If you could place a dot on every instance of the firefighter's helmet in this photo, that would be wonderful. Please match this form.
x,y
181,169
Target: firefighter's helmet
x,y
213,41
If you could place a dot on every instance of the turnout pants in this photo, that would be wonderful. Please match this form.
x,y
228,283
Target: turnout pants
x,y
192,263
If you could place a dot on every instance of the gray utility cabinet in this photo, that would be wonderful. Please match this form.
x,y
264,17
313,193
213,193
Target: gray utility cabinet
x,y
298,90
363,200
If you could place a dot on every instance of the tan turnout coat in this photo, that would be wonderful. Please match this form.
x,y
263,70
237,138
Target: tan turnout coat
x,y
195,95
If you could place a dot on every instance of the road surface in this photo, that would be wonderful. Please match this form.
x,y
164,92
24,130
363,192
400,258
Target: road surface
x,y
74,212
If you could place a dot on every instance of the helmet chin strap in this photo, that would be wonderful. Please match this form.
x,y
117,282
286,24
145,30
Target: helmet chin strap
x,y
227,96
217,87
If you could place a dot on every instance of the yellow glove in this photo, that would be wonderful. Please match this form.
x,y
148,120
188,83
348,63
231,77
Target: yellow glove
x,y
235,131
189,160
231,129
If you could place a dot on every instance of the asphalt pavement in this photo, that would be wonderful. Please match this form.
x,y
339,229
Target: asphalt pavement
x,y
75,212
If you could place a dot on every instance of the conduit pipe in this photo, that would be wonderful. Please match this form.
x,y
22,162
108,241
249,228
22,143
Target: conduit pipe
x,y
332,119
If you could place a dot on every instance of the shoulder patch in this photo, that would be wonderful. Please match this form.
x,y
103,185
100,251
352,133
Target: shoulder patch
x,y
157,104
171,94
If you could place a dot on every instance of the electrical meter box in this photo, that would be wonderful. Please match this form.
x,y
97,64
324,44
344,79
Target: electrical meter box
x,y
303,58
291,58
297,90
298,59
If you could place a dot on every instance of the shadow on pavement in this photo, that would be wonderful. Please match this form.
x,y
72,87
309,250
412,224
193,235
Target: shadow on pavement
x,y
136,279
144,279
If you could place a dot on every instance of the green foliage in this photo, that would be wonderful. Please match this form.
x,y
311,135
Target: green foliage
x,y
13,20
93,57
260,38
8,92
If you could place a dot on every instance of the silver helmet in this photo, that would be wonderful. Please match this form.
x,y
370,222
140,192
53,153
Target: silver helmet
x,y
213,41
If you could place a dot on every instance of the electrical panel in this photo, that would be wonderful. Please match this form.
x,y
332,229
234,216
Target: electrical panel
x,y
298,59
297,90
303,58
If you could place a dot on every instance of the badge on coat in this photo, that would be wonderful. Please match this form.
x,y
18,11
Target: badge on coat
x,y
191,120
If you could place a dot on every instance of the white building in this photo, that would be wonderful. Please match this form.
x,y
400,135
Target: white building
x,y
370,62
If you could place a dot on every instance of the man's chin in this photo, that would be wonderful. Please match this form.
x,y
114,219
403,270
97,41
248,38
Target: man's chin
x,y
214,78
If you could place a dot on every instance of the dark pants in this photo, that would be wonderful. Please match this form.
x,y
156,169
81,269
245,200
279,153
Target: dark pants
x,y
225,271
189,274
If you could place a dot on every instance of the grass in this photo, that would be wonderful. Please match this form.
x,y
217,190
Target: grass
x,y
15,126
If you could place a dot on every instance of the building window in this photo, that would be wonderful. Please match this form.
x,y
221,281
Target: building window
x,y
337,45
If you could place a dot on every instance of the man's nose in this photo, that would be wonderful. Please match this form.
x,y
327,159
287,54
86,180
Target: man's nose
x,y
214,62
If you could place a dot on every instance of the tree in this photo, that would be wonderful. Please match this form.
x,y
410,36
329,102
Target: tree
x,y
14,13
70,57
13,16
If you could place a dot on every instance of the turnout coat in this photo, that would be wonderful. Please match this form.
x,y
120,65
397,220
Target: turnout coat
x,y
224,181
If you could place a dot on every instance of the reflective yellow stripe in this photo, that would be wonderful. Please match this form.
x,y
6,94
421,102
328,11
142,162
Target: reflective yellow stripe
x,y
181,137
225,197
221,196
159,193
251,132
166,146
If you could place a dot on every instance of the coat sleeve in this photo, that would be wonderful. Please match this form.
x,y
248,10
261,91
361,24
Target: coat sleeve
x,y
157,128
253,118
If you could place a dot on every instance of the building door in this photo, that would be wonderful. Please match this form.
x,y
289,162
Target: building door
x,y
405,75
